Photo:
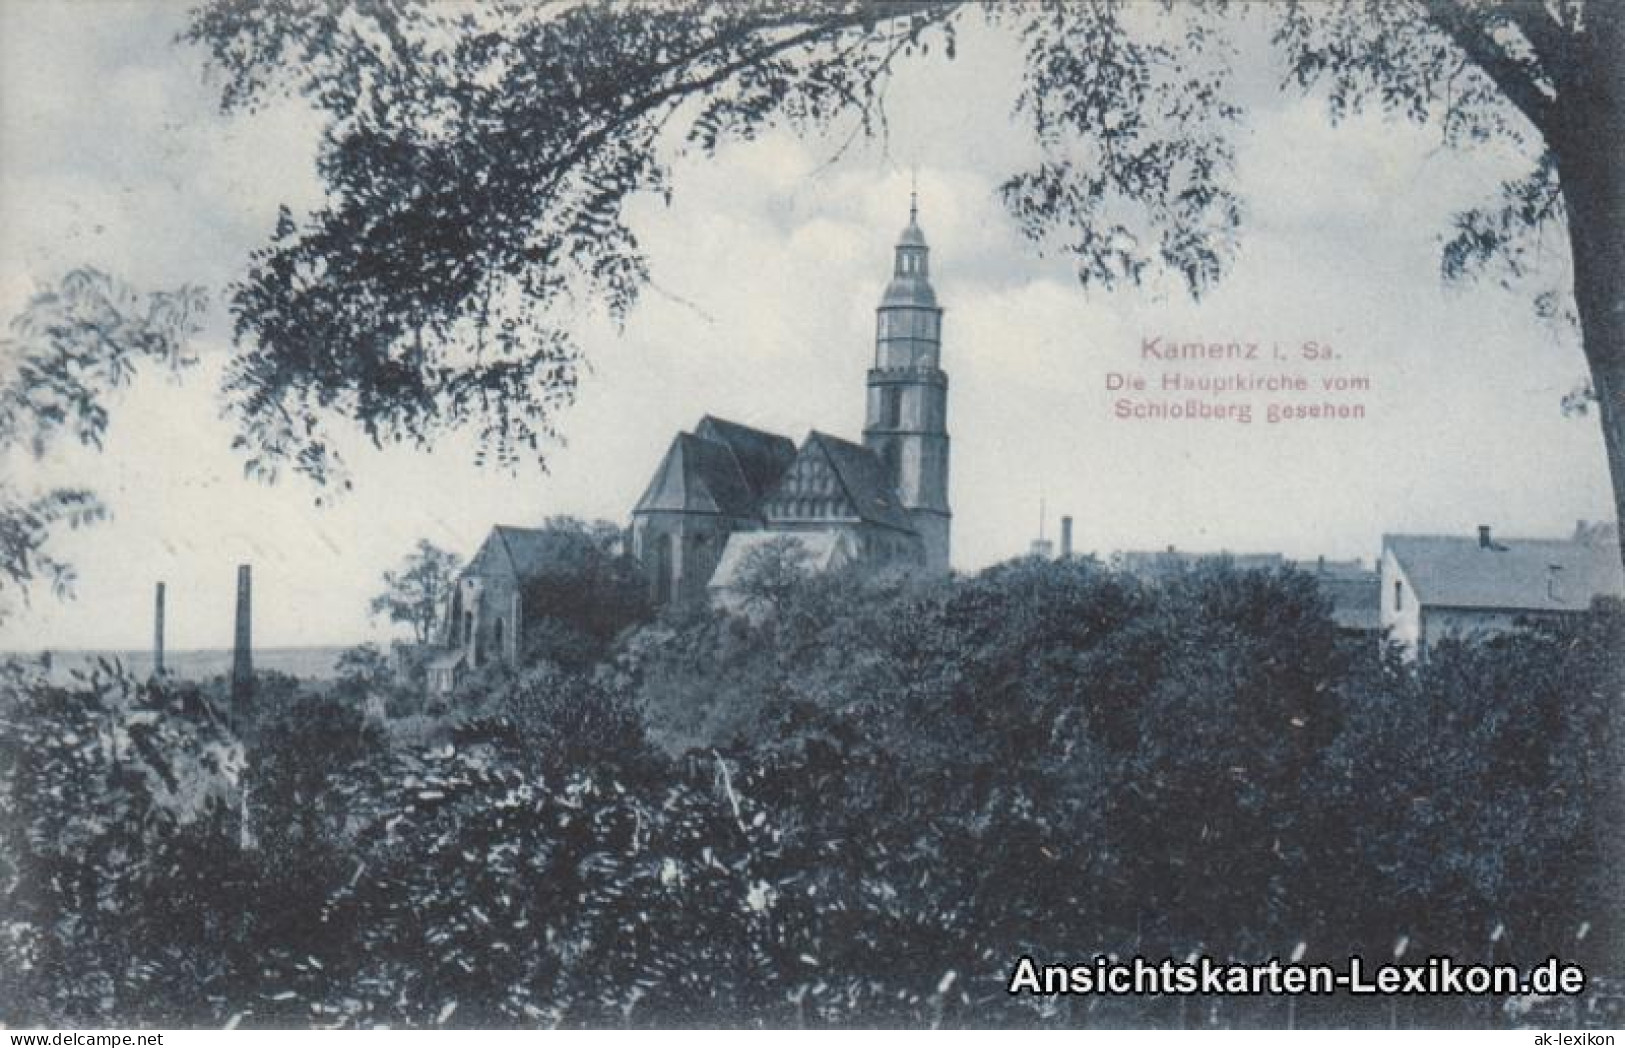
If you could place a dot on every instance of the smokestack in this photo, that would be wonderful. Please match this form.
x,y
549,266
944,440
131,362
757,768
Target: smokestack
x,y
1066,537
158,632
242,663
1484,541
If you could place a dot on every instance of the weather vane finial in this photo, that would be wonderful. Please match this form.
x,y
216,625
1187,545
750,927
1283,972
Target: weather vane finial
x,y
914,194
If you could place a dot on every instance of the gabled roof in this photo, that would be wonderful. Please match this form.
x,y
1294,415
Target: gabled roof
x,y
824,550
527,552
1519,574
698,476
1162,563
528,549
1356,602
864,479
721,468
762,456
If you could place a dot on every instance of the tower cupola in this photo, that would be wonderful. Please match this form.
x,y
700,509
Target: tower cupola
x,y
911,270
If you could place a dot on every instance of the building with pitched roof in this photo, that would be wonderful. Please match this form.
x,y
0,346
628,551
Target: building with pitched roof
x,y
724,483
1437,586
494,595
1351,587
724,488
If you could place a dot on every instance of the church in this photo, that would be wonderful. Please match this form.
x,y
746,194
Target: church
x,y
723,488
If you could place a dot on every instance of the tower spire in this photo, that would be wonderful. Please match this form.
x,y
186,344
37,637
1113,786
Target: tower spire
x,y
914,195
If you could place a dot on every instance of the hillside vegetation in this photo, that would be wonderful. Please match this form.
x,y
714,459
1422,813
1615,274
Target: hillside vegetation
x,y
858,805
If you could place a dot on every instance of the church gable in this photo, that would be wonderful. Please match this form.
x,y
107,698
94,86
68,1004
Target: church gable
x,y
762,457
866,482
698,476
810,489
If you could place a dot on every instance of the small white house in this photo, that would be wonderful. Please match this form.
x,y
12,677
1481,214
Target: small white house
x,y
1436,586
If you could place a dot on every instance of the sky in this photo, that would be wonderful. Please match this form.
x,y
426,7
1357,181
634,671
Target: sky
x,y
767,265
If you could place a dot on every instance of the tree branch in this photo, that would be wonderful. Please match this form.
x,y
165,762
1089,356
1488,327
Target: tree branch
x,y
1468,33
1546,37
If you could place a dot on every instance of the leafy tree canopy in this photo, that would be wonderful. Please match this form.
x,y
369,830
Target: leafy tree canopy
x,y
415,593
478,160
71,347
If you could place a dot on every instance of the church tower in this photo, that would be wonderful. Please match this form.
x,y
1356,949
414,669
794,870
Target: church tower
x,y
907,425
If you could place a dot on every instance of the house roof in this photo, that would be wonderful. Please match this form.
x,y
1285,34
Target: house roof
x,y
527,549
1157,564
864,479
825,550
1523,574
1356,602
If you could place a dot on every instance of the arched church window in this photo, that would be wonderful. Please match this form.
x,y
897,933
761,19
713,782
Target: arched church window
x,y
468,627
497,634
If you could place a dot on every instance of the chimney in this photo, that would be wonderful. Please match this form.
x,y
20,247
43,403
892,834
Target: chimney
x,y
1484,541
242,663
1066,537
158,632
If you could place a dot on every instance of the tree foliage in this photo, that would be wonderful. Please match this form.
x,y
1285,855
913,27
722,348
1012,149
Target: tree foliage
x,y
495,148
478,162
68,351
937,778
584,591
415,593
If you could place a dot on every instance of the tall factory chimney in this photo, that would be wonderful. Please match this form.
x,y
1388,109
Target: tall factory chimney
x,y
158,632
1066,537
242,663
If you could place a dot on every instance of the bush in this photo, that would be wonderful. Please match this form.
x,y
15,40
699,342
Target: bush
x,y
896,788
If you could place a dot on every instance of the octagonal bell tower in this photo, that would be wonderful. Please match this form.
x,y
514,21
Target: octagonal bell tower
x,y
907,425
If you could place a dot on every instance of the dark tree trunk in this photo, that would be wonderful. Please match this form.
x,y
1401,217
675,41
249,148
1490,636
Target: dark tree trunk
x,y
1586,136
